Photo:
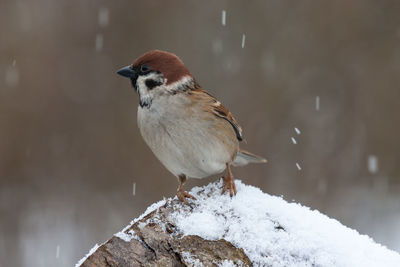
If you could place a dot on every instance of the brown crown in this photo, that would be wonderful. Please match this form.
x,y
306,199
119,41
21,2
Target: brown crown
x,y
167,63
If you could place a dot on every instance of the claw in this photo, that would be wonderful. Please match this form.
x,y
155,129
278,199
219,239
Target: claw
x,y
229,183
182,195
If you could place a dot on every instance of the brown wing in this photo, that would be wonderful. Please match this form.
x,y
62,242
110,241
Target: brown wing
x,y
218,109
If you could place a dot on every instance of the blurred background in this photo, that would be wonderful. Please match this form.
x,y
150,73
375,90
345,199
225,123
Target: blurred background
x,y
74,169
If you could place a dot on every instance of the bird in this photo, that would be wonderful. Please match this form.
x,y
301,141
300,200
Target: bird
x,y
190,132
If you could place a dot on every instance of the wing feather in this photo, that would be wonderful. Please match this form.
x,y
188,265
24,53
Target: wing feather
x,y
219,110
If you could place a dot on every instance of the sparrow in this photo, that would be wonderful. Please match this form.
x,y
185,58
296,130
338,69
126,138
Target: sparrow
x,y
187,129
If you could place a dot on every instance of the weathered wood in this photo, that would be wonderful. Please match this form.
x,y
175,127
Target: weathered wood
x,y
155,241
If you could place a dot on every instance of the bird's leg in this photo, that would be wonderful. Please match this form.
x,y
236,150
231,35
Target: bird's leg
x,y
229,182
182,195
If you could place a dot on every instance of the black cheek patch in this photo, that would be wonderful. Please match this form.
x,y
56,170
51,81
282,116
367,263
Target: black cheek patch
x,y
150,83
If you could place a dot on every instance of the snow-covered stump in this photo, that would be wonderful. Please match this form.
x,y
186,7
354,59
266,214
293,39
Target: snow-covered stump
x,y
250,229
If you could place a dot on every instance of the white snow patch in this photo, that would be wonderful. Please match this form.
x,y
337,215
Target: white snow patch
x,y
152,208
127,237
192,261
273,232
124,236
297,130
92,250
227,263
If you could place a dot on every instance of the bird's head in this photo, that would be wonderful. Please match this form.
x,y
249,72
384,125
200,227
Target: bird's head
x,y
156,73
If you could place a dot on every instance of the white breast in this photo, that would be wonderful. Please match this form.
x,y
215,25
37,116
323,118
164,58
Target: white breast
x,y
181,139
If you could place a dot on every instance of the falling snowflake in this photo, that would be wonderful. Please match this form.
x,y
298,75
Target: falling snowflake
x,y
317,103
103,17
223,17
99,42
298,166
372,164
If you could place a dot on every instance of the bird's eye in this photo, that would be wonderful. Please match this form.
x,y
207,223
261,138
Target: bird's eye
x,y
144,68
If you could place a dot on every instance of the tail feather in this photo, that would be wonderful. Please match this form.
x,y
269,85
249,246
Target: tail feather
x,y
244,157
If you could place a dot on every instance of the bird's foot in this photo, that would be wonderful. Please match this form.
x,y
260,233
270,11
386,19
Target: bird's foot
x,y
229,183
182,195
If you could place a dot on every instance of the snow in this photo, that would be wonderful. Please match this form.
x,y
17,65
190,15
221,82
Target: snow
x,y
92,250
223,18
297,130
372,164
227,263
243,40
124,236
191,260
131,235
294,140
298,166
152,208
270,230
273,232
103,16
57,251
99,42
127,237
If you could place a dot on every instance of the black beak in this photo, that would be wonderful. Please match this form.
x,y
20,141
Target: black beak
x,y
127,72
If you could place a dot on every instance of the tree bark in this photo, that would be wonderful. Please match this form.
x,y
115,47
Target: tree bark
x,y
155,241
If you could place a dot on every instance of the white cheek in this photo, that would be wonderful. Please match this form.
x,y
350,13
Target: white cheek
x,y
145,94
141,82
141,86
148,95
